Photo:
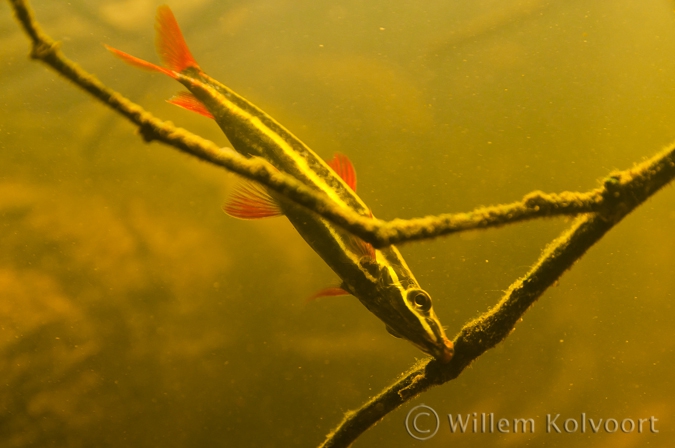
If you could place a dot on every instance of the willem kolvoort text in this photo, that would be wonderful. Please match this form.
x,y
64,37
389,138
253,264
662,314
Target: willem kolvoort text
x,y
554,423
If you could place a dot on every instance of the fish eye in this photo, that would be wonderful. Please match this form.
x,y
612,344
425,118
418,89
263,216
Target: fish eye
x,y
419,299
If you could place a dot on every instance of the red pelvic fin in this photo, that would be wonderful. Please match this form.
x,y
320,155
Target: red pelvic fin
x,y
328,292
170,43
140,63
250,200
188,101
343,167
361,247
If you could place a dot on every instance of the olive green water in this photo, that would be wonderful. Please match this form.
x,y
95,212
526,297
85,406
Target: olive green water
x,y
133,312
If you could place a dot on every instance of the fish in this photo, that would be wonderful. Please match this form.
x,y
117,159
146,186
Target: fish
x,y
379,278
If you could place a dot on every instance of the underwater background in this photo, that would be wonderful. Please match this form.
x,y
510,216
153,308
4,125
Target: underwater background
x,y
134,312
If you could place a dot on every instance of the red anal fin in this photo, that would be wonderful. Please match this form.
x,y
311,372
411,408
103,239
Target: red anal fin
x,y
328,292
250,200
343,167
170,43
188,101
140,63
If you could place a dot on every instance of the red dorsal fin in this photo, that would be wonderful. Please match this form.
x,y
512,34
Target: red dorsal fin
x,y
188,101
250,200
328,292
343,167
140,63
170,44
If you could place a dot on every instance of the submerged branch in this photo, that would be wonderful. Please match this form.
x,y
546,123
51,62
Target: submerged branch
x,y
380,233
619,190
628,189
603,208
151,128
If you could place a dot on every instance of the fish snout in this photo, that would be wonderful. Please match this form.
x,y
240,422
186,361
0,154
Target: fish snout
x,y
447,351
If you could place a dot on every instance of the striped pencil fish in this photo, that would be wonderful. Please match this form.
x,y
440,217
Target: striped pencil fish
x,y
380,278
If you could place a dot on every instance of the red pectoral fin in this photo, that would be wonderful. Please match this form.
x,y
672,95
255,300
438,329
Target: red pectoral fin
x,y
328,292
188,101
170,43
250,200
343,167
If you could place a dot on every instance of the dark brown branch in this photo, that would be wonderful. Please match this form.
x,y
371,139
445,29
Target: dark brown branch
x,y
151,128
620,193
379,233
624,191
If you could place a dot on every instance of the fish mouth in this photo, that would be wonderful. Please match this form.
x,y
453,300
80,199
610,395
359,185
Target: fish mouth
x,y
444,352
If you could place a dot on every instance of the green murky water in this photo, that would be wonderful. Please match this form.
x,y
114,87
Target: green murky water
x,y
133,312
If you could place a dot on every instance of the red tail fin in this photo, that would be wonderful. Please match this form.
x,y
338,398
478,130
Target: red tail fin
x,y
140,63
169,41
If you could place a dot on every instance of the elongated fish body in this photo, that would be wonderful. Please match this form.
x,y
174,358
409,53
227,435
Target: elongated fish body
x,y
380,279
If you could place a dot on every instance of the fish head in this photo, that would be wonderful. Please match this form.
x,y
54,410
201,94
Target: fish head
x,y
413,319
407,312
